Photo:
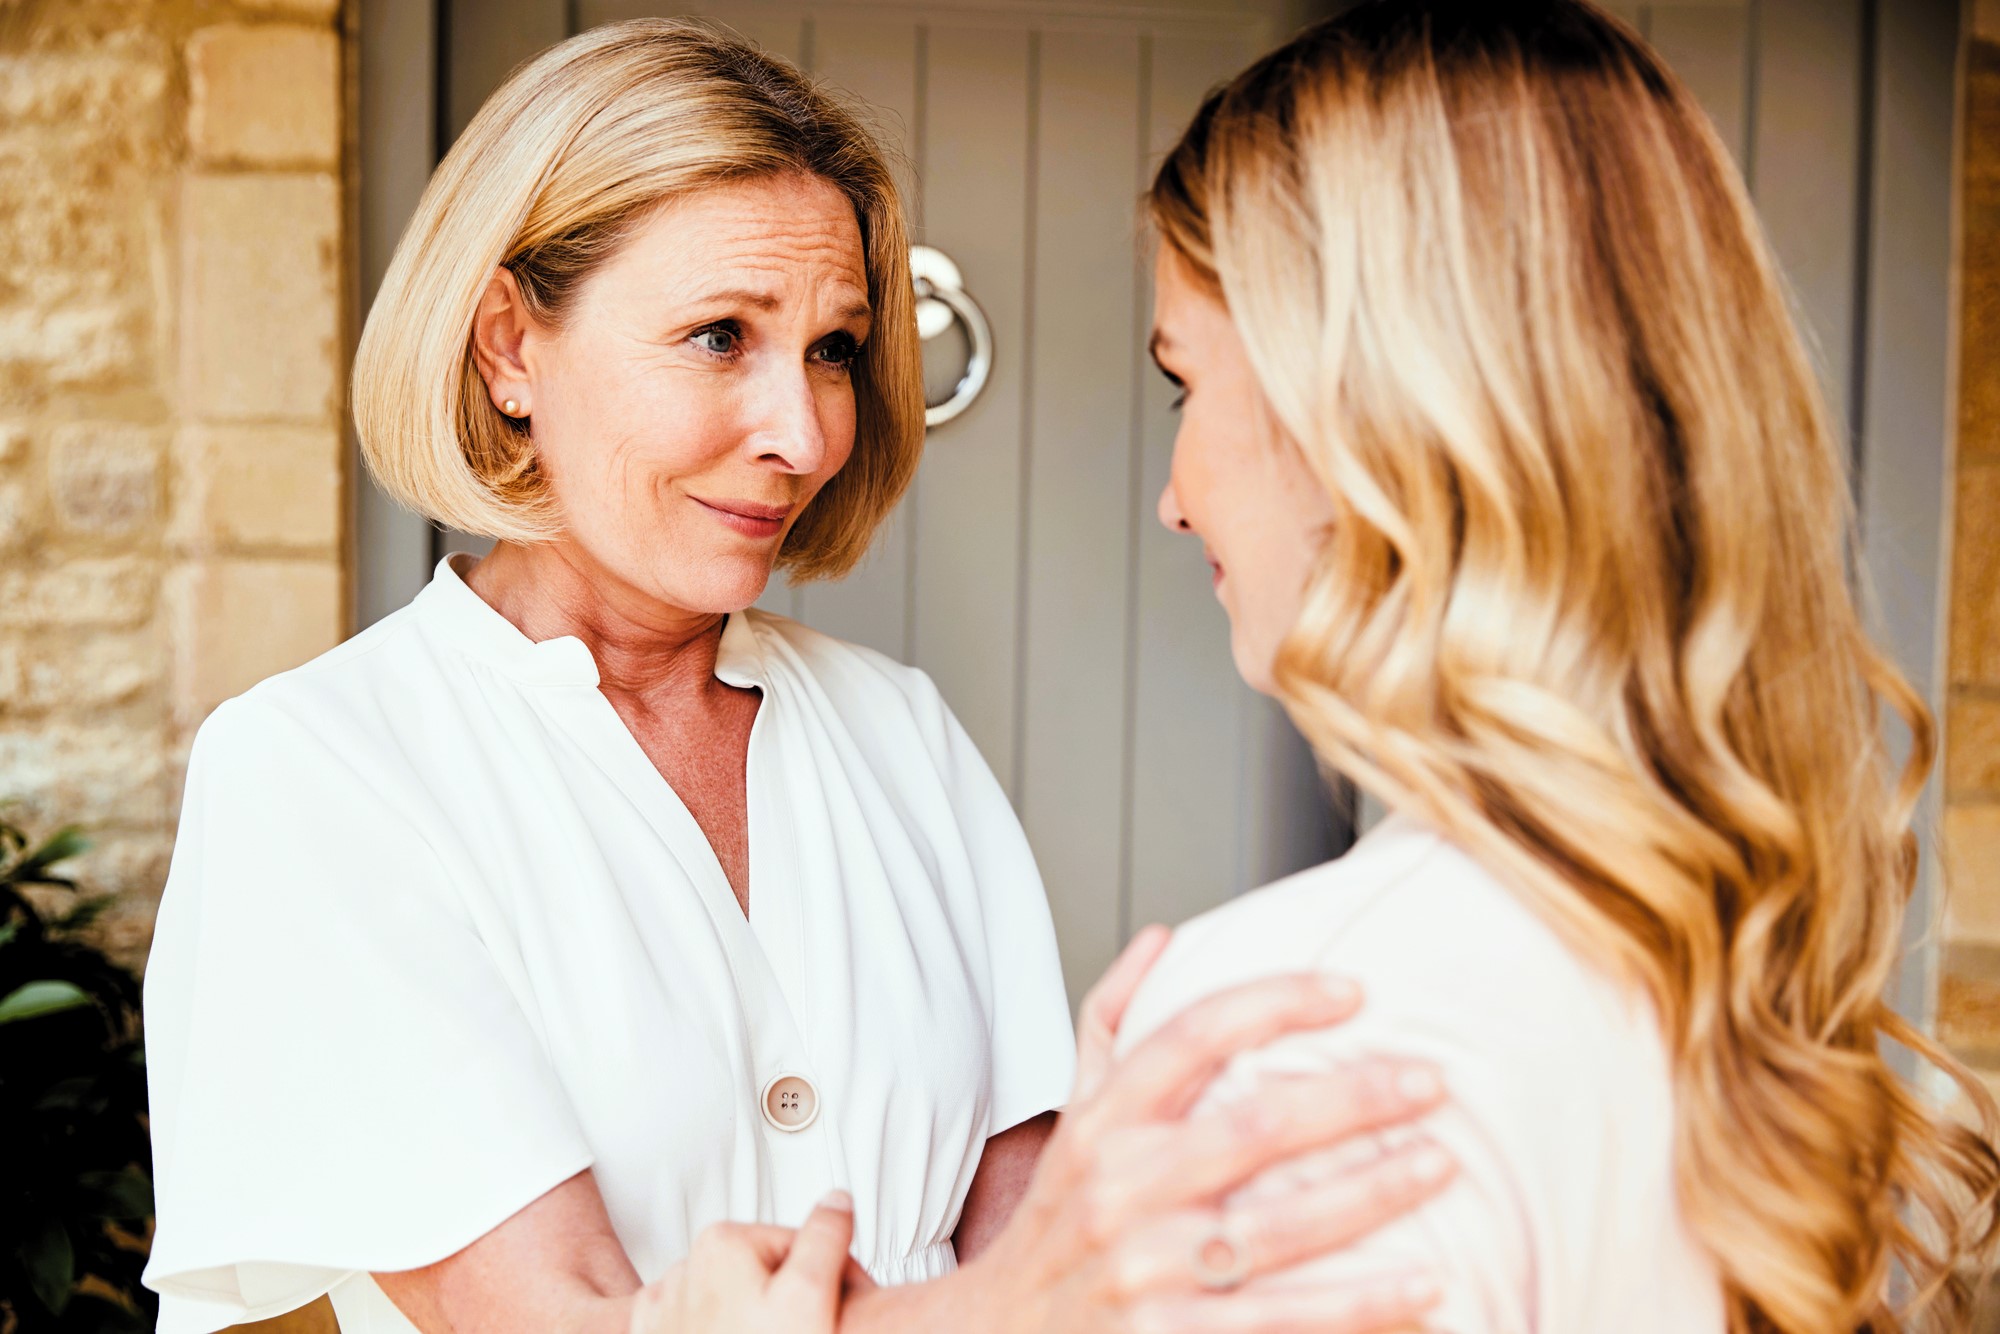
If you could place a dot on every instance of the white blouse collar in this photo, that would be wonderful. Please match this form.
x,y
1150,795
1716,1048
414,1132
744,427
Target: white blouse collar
x,y
471,625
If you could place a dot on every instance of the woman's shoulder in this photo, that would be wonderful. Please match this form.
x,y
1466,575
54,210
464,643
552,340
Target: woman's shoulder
x,y
1441,946
367,661
374,709
1561,1093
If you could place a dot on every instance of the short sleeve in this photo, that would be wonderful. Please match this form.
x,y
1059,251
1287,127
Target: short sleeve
x,y
341,1079
1034,1043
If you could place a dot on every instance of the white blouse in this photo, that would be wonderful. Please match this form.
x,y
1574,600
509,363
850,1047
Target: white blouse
x,y
438,936
1563,1217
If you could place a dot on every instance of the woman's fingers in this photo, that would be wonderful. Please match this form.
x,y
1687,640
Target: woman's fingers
x,y
1104,1007
1163,1076
1282,1231
1393,1302
1169,1166
810,1281
1247,1241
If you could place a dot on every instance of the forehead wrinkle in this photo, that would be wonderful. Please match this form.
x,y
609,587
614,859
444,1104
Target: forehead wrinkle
x,y
757,251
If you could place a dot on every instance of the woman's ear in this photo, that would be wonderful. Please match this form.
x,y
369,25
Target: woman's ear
x,y
500,329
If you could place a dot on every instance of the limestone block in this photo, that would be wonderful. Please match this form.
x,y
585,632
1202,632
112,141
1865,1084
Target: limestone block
x,y
1968,1013
1972,872
1979,273
320,9
132,865
20,515
1972,746
114,89
92,343
87,773
110,591
13,676
104,478
1975,575
99,671
260,296
13,443
258,486
235,622
264,95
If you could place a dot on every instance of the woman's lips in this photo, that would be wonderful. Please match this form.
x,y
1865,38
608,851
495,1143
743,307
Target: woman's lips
x,y
1215,566
748,517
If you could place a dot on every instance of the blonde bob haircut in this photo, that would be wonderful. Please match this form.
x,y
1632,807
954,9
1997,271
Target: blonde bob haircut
x,y
574,150
1586,599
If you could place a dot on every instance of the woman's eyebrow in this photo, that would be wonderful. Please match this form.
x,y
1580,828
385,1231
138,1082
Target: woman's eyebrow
x,y
745,296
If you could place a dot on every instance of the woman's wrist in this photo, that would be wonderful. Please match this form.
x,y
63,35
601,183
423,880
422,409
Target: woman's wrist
x,y
966,1301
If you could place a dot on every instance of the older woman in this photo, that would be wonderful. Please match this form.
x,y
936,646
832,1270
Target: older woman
x,y
577,907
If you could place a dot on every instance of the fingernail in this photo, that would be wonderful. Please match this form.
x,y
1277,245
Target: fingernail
x,y
838,1199
1419,1290
1430,1166
1418,1084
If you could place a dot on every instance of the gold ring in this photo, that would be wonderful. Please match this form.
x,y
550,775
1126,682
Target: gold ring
x,y
1222,1258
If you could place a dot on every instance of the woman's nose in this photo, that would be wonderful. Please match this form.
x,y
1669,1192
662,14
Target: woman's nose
x,y
787,426
1170,511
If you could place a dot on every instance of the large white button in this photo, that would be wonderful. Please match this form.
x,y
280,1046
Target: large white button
x,y
791,1103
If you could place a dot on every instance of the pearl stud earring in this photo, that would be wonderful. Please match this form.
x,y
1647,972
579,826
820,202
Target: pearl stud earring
x,y
512,407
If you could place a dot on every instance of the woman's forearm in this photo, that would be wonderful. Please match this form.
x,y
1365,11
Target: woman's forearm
x,y
960,1302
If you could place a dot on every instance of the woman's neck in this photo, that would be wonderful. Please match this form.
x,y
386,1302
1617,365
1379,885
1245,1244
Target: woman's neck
x,y
644,647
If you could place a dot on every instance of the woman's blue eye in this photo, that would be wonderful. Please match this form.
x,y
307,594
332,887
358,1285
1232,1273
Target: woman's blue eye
x,y
716,339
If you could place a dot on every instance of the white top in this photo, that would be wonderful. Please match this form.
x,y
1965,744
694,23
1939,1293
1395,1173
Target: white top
x,y
438,936
1563,1218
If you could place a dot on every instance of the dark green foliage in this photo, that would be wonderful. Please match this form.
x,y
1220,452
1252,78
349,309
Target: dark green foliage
x,y
76,1191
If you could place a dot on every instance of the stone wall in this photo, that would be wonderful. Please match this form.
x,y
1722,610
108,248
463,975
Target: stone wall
x,y
1969,990
171,357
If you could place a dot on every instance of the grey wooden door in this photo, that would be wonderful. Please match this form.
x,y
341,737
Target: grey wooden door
x,y
1078,642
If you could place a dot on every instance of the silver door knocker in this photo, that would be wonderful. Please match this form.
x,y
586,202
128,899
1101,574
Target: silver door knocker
x,y
941,301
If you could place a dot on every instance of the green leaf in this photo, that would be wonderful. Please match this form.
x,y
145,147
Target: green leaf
x,y
39,998
126,1195
51,1265
84,913
8,931
60,847
67,1095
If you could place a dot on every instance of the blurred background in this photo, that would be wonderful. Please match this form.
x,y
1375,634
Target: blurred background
x,y
198,197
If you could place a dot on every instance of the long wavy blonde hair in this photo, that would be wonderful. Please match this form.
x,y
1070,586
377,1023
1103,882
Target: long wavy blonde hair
x,y
1586,600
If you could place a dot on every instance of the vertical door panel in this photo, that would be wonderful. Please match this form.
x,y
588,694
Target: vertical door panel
x,y
779,29
1189,706
397,108
1905,425
1632,11
1080,486
487,39
1808,161
1709,47
966,529
876,61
